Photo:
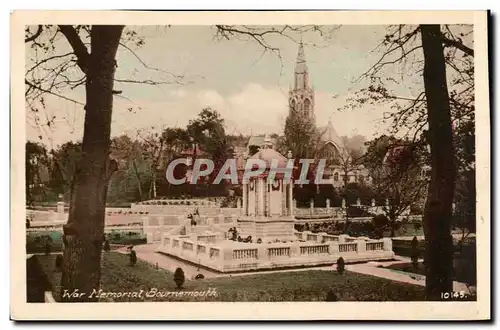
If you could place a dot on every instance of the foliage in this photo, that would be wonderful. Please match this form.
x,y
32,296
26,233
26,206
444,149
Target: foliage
x,y
340,265
59,263
331,296
380,223
65,161
179,277
354,190
396,166
36,242
37,279
132,257
300,137
36,162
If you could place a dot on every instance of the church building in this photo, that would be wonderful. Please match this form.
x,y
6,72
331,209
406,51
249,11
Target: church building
x,y
301,101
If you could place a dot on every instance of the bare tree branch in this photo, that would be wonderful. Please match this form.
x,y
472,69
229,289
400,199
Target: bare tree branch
x,y
455,43
50,92
34,36
78,46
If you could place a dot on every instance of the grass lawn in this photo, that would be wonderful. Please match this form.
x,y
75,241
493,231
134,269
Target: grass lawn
x,y
461,274
310,285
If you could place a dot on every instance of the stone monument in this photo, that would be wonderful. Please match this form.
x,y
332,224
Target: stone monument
x,y
268,212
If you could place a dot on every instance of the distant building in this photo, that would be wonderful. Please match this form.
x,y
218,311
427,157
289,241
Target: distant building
x,y
301,101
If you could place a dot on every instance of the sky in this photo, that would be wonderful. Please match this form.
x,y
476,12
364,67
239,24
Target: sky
x,y
247,86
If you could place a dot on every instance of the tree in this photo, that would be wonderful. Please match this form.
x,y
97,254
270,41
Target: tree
x,y
438,207
397,168
434,108
464,215
300,136
65,160
127,154
85,228
380,222
176,141
36,159
207,132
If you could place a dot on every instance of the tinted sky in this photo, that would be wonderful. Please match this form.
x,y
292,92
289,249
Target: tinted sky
x,y
247,86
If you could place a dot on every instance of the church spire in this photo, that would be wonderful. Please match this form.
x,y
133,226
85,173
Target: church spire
x,y
301,72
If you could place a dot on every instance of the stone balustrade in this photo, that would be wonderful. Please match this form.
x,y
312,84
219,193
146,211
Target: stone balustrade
x,y
348,247
245,254
374,246
314,249
211,239
278,252
224,256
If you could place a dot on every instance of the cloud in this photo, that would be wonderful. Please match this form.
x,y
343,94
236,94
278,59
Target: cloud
x,y
254,108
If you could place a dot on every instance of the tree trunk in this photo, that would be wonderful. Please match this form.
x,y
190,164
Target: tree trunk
x,y
138,177
438,207
83,234
154,184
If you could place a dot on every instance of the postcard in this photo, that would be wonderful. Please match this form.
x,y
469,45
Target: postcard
x,y
289,165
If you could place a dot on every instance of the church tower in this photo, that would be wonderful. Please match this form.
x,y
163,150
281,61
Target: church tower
x,y
301,95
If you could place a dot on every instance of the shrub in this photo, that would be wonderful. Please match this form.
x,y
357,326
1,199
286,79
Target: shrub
x,y
199,277
59,263
340,265
48,247
414,252
331,296
133,257
179,277
106,246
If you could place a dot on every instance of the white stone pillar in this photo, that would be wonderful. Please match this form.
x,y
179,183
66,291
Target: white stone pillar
x,y
60,210
290,198
283,197
333,248
262,255
361,245
269,192
261,195
245,199
264,197
256,200
387,244
342,238
328,205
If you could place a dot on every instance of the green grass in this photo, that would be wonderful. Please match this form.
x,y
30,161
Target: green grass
x,y
310,285
462,274
35,241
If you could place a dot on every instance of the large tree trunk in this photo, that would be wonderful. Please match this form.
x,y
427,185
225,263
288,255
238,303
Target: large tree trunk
x,y
83,234
438,207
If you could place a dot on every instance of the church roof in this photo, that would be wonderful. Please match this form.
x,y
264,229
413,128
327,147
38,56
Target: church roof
x,y
328,134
